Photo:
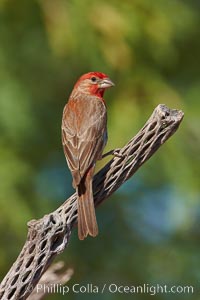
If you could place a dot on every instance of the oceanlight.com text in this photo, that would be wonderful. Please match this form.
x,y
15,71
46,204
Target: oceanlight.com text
x,y
114,288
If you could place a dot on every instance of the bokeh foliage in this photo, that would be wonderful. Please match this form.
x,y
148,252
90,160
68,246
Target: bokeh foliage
x,y
149,230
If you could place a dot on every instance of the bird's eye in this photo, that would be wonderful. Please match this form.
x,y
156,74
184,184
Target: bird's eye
x,y
94,79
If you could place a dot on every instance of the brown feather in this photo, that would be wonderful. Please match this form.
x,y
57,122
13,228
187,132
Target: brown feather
x,y
83,133
87,223
84,136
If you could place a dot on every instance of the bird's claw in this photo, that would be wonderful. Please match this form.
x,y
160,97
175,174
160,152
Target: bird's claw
x,y
114,152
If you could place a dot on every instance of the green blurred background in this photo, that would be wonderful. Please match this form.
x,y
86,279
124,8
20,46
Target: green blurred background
x,y
150,228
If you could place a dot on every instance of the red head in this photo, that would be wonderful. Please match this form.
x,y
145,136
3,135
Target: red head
x,y
93,83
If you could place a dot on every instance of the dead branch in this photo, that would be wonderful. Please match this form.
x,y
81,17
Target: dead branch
x,y
48,236
52,277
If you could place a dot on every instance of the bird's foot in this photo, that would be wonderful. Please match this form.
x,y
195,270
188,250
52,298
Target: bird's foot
x,y
114,152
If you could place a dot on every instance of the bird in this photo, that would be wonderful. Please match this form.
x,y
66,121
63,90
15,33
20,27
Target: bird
x,y
84,136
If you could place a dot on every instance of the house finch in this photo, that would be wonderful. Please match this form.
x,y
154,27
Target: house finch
x,y
84,136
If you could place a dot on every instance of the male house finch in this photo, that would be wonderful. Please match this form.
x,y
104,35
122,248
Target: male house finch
x,y
84,136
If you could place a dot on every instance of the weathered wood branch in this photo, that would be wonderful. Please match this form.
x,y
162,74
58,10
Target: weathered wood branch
x,y
55,275
48,236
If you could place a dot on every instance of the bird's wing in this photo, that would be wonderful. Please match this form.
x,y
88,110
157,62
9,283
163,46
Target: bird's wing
x,y
83,134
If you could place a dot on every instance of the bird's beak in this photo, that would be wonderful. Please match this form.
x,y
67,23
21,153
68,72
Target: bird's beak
x,y
105,83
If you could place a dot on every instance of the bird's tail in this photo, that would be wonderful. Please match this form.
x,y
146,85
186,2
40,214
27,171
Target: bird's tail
x,y
87,223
